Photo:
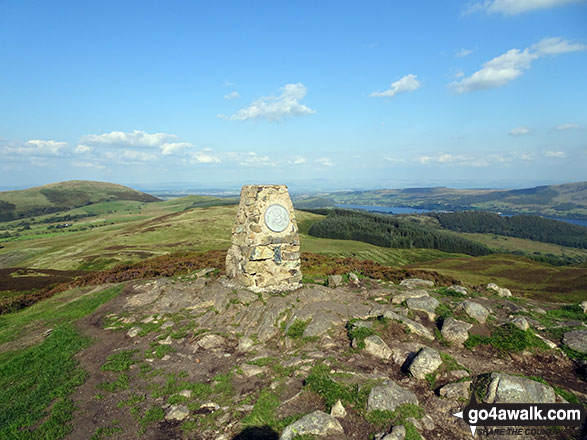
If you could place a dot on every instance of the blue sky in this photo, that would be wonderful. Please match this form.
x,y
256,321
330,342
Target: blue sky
x,y
317,95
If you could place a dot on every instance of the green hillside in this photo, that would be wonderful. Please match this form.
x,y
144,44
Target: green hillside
x,y
62,196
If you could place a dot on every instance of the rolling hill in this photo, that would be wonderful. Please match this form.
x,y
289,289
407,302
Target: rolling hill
x,y
63,196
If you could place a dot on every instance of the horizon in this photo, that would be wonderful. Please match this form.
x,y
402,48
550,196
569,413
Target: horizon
x,y
471,94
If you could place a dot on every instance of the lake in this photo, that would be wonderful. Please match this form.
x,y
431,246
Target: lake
x,y
404,210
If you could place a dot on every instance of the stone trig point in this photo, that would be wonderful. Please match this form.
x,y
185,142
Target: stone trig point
x,y
265,251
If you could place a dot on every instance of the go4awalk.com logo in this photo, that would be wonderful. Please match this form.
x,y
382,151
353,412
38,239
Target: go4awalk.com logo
x,y
520,416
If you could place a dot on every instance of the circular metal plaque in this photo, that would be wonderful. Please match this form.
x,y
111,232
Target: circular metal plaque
x,y
276,218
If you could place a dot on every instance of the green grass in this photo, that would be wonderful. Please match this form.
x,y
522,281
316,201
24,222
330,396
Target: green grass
x,y
121,383
120,361
153,414
296,330
383,419
358,333
508,338
35,385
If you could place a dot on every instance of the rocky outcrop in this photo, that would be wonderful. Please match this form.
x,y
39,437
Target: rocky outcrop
x,y
416,283
375,346
576,340
455,331
504,388
334,281
475,311
389,396
401,297
317,423
456,391
425,304
501,291
413,326
426,361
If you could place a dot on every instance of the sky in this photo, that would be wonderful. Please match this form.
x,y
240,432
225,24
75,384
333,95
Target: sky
x,y
316,95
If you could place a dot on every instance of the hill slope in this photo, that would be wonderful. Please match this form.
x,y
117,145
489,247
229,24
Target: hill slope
x,y
63,196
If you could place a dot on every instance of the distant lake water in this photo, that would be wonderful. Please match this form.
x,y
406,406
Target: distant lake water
x,y
403,210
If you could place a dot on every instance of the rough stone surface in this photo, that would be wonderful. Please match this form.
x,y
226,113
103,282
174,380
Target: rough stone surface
x,y
416,283
209,342
177,412
475,311
316,423
375,346
426,361
389,396
401,297
354,279
521,323
504,388
252,370
457,390
334,280
338,410
455,331
501,291
425,304
245,344
397,433
133,332
584,306
458,289
576,340
413,326
260,259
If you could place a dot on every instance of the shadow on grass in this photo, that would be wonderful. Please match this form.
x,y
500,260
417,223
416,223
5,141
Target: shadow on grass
x,y
257,433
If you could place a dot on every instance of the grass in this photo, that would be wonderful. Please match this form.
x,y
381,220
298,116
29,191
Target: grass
x,y
508,338
153,414
121,383
297,328
383,419
120,361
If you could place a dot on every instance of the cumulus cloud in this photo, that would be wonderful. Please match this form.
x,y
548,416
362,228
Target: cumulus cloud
x,y
37,147
169,148
515,7
506,67
325,161
566,126
251,159
407,83
555,154
139,156
232,95
519,131
297,160
204,156
276,108
82,148
137,138
463,53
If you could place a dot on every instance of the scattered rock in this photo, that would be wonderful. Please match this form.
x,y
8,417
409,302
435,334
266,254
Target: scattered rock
x,y
458,374
584,306
501,291
353,279
186,393
413,326
338,410
362,324
425,304
475,311
457,390
208,407
576,340
397,433
148,319
246,296
334,280
415,283
245,344
426,361
389,396
504,388
210,341
401,297
458,289
455,331
377,347
546,341
316,423
512,307
177,412
252,370
133,332
167,341
203,272
167,324
521,323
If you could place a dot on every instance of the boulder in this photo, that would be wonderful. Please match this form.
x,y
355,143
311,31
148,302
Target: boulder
x,y
576,340
334,280
252,370
389,396
317,423
245,344
425,362
377,347
413,326
458,289
133,332
210,341
475,311
177,412
338,410
457,390
584,306
425,304
455,331
501,291
521,323
397,433
505,388
401,297
416,283
354,279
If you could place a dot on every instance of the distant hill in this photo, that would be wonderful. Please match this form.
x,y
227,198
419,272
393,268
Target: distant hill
x,y
568,200
62,196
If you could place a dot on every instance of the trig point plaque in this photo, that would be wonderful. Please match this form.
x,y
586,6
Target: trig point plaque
x,y
265,251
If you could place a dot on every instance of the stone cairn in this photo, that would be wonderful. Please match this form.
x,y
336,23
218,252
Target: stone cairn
x,y
265,251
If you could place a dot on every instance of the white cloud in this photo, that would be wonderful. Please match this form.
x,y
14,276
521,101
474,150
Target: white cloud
x,y
37,147
169,148
515,7
463,52
82,164
251,159
519,131
204,156
504,68
139,156
276,108
556,154
297,160
232,95
137,138
407,83
468,160
325,161
566,126
82,148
